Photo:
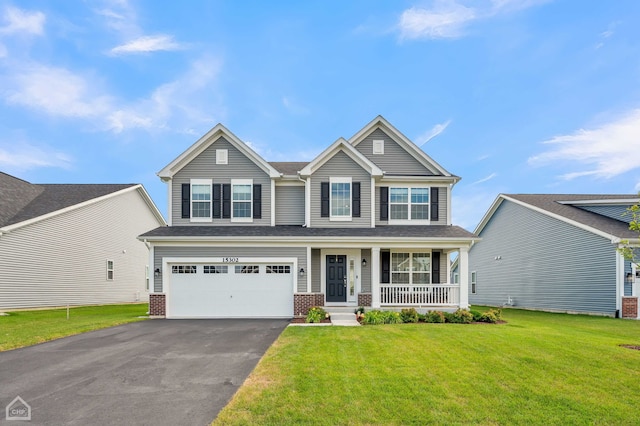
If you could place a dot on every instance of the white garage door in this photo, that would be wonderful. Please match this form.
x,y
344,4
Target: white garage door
x,y
239,290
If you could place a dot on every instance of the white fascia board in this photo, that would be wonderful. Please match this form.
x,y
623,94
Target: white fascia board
x,y
15,226
612,238
487,216
438,180
341,145
152,205
381,122
207,140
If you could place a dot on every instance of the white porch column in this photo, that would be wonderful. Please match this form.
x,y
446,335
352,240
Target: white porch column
x,y
375,277
463,269
619,280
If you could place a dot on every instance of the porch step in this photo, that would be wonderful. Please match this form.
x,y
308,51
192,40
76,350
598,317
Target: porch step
x,y
343,318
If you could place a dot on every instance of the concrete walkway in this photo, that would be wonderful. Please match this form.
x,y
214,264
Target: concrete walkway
x,y
344,319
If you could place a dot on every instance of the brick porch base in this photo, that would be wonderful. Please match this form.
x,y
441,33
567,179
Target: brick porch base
x,y
157,305
302,302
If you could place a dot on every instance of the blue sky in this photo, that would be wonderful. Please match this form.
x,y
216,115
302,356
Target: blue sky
x,y
514,96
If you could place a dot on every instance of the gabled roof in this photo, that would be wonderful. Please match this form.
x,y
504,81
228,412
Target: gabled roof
x,y
341,145
564,207
207,140
22,202
381,123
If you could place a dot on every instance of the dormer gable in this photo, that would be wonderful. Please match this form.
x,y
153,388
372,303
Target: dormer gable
x,y
341,145
391,151
205,142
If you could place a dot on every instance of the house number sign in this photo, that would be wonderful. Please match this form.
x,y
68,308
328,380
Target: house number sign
x,y
230,259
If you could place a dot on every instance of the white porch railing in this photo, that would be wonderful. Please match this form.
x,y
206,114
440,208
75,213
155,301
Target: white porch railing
x,y
419,295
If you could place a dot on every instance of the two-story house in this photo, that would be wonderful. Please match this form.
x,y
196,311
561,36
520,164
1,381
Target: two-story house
x,y
366,223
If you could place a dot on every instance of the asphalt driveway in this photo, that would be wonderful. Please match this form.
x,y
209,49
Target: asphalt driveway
x,y
156,372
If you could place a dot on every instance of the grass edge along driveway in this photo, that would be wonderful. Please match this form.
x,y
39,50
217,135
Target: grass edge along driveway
x,y
26,328
538,368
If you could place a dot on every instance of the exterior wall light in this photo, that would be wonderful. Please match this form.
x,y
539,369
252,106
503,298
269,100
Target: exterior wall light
x,y
364,263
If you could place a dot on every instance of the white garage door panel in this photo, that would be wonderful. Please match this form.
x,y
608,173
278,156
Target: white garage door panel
x,y
230,295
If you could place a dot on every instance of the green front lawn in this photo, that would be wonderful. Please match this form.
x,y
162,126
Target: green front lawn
x,y
24,328
538,368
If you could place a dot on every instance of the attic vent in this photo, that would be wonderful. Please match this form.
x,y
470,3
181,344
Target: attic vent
x,y
378,147
222,156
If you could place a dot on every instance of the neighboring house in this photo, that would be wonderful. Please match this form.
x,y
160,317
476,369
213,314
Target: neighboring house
x,y
555,252
73,244
367,222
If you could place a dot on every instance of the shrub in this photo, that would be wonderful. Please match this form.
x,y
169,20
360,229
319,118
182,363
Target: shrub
x,y
359,309
476,315
392,317
463,316
373,317
422,317
409,315
316,314
435,317
491,316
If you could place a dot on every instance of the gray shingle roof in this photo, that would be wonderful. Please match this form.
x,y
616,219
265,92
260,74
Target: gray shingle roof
x,y
553,204
383,232
288,167
21,200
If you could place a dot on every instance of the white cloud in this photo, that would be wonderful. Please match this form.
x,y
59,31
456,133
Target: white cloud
x,y
606,151
485,179
121,18
24,156
432,133
446,20
56,91
22,21
450,18
293,107
147,44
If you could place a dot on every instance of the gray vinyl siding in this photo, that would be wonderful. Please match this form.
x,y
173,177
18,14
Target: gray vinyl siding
x,y
395,160
198,251
204,167
544,264
614,212
316,286
442,207
365,278
289,205
341,165
62,259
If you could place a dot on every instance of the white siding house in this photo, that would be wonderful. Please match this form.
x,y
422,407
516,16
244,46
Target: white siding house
x,y
73,244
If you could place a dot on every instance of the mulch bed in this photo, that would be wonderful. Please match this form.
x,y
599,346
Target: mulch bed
x,y
636,347
302,321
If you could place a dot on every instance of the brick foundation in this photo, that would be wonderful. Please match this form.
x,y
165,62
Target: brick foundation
x,y
302,302
157,305
630,307
364,299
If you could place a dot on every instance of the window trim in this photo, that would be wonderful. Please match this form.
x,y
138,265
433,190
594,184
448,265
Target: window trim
x,y
408,220
340,218
203,182
411,270
110,268
242,182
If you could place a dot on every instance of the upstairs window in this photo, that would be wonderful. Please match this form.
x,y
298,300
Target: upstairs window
x,y
200,200
241,198
222,156
409,203
378,147
340,200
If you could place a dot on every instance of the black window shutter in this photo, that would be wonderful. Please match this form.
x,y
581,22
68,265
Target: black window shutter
x,y
384,203
217,200
355,199
435,267
324,199
186,200
434,204
385,267
226,200
257,201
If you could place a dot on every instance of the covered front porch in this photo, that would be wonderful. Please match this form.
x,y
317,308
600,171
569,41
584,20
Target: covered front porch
x,y
385,276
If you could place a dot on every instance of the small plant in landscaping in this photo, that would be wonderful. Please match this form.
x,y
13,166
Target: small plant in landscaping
x,y
491,316
461,316
392,317
476,315
409,315
435,317
373,317
316,314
